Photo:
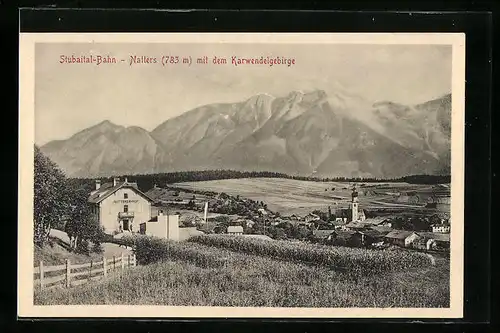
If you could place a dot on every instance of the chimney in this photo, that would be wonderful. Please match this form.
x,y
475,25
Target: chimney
x,y
97,184
115,181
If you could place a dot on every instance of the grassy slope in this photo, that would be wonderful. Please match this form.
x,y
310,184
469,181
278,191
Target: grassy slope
x,y
56,253
250,280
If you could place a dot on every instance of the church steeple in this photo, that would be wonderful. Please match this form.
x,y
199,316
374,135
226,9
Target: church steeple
x,y
354,205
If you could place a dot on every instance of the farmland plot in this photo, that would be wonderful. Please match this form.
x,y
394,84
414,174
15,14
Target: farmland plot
x,y
288,196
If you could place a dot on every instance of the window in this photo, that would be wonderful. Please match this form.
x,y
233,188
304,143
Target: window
x,y
125,195
125,208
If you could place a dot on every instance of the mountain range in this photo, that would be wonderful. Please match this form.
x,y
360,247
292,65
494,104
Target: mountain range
x,y
310,133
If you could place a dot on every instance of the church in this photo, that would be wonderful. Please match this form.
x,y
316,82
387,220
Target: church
x,y
356,213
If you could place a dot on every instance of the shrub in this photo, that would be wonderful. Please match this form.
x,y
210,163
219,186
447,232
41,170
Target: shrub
x,y
150,249
351,260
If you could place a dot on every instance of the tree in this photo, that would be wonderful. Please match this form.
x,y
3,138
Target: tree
x,y
50,196
300,232
83,226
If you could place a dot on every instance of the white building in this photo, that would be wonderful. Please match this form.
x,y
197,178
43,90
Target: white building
x,y
235,230
162,226
120,206
356,213
441,228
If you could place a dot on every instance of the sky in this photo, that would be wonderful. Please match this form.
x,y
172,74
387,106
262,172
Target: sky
x,y
72,97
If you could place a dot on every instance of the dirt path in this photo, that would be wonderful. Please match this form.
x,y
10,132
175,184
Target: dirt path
x,y
109,249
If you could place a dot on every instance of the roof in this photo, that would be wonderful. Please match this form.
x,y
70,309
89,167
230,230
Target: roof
x,y
108,189
376,220
399,234
344,234
372,233
356,224
435,236
234,228
382,229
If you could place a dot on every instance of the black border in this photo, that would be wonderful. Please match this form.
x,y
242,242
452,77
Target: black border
x,y
478,29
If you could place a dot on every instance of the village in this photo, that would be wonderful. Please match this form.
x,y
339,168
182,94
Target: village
x,y
178,214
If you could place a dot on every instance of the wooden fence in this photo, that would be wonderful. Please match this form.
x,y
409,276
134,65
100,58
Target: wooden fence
x,y
75,274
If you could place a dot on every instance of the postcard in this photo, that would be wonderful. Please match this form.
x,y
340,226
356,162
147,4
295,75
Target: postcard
x,y
241,175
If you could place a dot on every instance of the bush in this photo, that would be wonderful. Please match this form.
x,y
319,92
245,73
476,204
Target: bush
x,y
150,249
97,248
353,260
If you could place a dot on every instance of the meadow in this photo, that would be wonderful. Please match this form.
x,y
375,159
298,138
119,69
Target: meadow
x,y
289,196
183,274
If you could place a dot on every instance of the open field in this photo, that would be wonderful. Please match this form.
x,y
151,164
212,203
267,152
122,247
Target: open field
x,y
210,276
288,196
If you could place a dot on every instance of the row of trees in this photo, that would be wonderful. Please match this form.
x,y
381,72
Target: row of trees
x,y
147,181
61,203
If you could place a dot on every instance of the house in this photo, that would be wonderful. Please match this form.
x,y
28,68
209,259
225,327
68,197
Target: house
x,y
379,220
235,230
382,229
339,225
120,206
346,238
190,219
356,225
324,236
262,211
248,223
441,228
435,241
401,238
311,217
369,237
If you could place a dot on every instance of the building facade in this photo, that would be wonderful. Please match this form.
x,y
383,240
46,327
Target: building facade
x,y
120,206
235,230
440,228
401,238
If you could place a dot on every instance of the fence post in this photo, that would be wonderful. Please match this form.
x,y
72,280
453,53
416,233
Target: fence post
x,y
123,262
90,270
114,263
104,266
41,274
128,264
68,273
135,261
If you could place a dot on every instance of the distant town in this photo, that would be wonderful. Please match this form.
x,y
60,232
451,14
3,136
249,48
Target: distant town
x,y
413,216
